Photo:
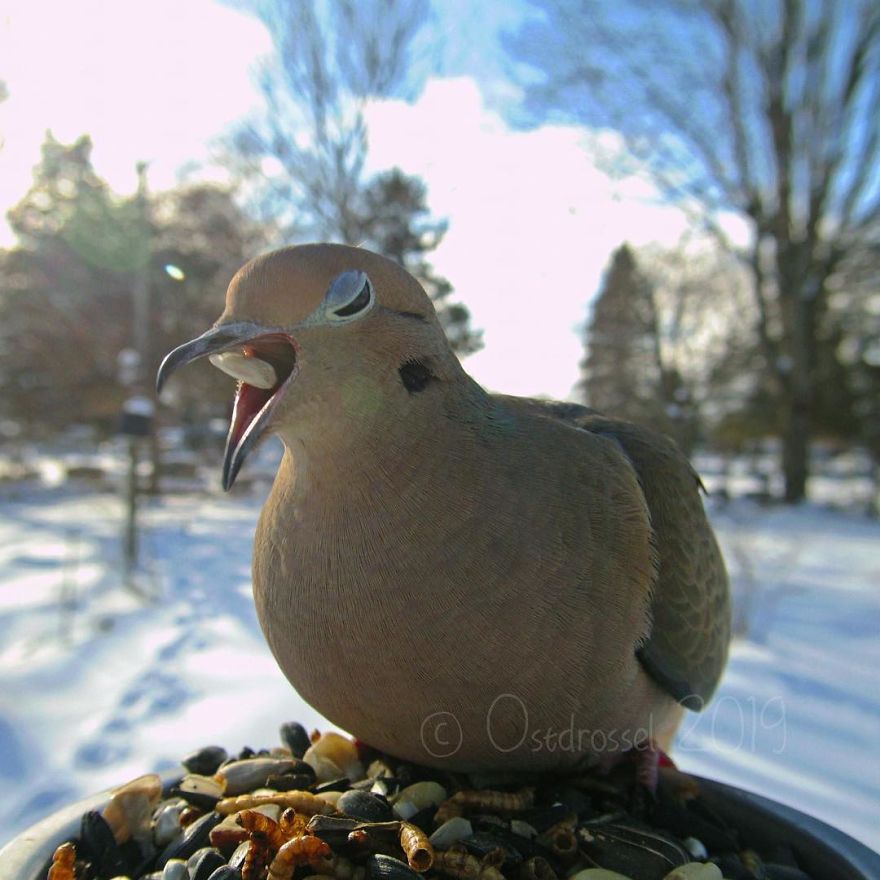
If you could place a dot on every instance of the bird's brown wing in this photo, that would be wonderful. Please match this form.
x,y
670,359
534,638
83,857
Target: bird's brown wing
x,y
687,646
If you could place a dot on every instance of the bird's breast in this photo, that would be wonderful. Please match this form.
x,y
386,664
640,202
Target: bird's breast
x,y
463,596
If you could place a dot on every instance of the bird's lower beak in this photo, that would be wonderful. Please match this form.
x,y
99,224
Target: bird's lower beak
x,y
264,362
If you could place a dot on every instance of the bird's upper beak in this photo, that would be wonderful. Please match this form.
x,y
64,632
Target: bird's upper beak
x,y
264,362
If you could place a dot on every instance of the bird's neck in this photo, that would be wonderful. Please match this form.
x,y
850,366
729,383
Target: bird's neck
x,y
338,465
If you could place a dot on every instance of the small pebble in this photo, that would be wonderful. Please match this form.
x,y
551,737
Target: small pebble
x,y
166,825
130,808
379,769
695,848
417,796
695,871
325,769
334,755
451,831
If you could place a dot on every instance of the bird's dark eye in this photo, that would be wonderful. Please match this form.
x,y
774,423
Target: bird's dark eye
x,y
349,295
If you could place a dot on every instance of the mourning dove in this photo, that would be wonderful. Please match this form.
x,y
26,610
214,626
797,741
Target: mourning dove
x,y
458,578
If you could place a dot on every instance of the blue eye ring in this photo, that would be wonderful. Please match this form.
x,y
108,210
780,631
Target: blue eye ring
x,y
350,295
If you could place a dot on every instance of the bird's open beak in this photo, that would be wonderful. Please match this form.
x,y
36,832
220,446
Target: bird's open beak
x,y
264,362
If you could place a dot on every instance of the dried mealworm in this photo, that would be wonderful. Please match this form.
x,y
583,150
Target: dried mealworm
x,y
298,851
302,801
63,863
414,842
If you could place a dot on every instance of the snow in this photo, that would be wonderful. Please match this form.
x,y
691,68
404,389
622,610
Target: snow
x,y
103,680
797,715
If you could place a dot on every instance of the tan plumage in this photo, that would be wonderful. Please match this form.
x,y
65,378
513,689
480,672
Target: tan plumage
x,y
428,547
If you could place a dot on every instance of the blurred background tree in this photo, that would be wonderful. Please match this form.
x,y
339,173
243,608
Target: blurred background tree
x,y
76,250
766,124
67,308
662,336
303,154
302,158
623,370
395,221
770,115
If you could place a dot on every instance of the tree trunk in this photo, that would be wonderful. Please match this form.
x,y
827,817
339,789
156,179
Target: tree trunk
x,y
796,448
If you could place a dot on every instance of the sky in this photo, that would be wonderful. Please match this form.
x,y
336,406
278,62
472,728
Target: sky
x,y
532,221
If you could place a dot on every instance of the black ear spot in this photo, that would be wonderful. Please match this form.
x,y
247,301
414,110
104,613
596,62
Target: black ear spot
x,y
415,376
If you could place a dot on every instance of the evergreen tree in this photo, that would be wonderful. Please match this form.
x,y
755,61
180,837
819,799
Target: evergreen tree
x,y
619,366
64,311
623,371
66,288
395,222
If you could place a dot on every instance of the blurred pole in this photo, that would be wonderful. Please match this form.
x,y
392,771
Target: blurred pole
x,y
130,538
142,302
137,411
136,425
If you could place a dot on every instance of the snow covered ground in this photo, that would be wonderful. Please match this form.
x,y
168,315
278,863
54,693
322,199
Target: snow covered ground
x,y
101,681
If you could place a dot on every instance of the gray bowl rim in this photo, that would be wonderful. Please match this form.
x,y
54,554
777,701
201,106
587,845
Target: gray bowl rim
x,y
832,854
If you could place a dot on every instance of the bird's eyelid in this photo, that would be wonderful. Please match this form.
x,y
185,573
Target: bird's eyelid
x,y
349,296
345,289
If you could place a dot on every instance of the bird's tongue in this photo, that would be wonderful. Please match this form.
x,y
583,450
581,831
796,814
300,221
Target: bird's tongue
x,y
248,403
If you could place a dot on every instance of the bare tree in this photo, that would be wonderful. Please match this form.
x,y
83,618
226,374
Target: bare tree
x,y
768,111
304,155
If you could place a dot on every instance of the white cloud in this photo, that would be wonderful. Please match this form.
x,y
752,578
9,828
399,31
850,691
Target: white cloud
x,y
532,225
148,81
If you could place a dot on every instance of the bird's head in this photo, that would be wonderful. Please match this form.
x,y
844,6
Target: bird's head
x,y
320,335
